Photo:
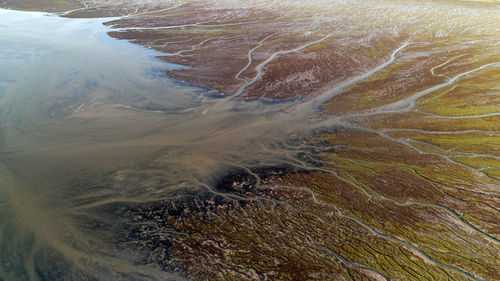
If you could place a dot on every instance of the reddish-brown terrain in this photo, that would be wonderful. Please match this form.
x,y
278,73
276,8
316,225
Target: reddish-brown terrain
x,y
403,183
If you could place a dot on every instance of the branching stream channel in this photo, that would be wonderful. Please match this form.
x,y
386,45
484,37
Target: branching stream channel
x,y
91,128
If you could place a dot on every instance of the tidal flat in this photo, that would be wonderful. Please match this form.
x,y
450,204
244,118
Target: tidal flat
x,y
249,140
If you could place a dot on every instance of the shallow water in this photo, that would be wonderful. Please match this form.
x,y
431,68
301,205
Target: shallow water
x,y
89,124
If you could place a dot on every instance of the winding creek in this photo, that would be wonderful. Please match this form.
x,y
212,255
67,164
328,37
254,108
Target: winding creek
x,y
76,107
87,121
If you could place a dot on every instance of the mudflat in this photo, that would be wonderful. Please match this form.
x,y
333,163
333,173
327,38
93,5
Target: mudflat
x,y
263,140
